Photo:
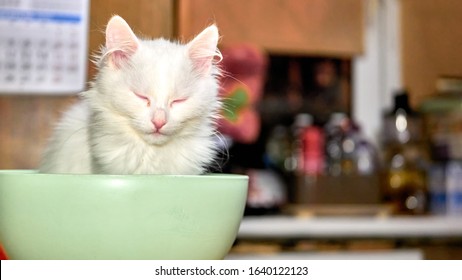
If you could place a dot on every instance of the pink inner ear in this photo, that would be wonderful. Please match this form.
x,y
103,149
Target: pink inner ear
x,y
203,49
117,58
121,42
203,64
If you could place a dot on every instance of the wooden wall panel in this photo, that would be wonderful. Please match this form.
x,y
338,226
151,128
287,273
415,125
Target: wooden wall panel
x,y
431,44
317,27
25,124
26,121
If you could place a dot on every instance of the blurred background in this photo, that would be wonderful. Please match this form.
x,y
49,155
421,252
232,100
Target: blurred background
x,y
346,114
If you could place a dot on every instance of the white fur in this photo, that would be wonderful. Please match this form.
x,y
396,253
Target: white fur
x,y
111,130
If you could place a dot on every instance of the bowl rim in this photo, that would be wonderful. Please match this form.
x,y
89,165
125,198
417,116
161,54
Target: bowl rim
x,y
34,172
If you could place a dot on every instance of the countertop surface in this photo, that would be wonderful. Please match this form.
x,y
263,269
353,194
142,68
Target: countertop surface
x,y
350,227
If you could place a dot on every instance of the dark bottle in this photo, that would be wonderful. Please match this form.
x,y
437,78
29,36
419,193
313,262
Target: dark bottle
x,y
405,159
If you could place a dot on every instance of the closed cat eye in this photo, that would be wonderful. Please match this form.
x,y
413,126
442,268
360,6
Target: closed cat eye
x,y
177,101
144,98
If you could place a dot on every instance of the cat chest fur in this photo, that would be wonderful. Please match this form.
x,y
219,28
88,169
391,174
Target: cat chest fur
x,y
123,152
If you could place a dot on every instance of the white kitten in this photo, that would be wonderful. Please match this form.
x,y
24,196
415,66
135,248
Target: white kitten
x,y
151,109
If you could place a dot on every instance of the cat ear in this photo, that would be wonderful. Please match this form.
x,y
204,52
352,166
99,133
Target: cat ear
x,y
121,42
203,49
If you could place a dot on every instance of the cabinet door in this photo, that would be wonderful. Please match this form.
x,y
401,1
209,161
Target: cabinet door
x,y
431,34
319,27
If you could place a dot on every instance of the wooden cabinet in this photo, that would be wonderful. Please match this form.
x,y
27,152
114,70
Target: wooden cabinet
x,y
313,27
431,44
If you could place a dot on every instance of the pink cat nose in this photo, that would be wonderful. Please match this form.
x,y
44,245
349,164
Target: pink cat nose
x,y
159,119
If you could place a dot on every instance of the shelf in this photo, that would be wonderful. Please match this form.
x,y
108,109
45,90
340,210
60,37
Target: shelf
x,y
271,227
413,254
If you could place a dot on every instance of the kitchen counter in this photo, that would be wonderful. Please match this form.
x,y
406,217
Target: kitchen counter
x,y
413,254
349,237
274,227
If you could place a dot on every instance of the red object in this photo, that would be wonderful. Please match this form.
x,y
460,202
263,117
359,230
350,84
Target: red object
x,y
244,66
3,255
312,150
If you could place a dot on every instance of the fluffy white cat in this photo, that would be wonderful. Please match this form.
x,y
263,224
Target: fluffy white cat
x,y
151,109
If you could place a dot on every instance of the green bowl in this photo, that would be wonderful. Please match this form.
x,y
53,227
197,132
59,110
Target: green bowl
x,y
57,216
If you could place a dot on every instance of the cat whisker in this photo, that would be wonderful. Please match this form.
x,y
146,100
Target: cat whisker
x,y
228,110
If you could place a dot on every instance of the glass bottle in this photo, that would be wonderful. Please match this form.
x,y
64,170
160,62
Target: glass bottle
x,y
308,154
334,132
405,159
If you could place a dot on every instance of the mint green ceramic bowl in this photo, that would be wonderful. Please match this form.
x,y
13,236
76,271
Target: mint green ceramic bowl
x,y
51,216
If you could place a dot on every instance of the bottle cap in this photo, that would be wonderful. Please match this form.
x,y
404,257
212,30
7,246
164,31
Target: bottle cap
x,y
303,120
